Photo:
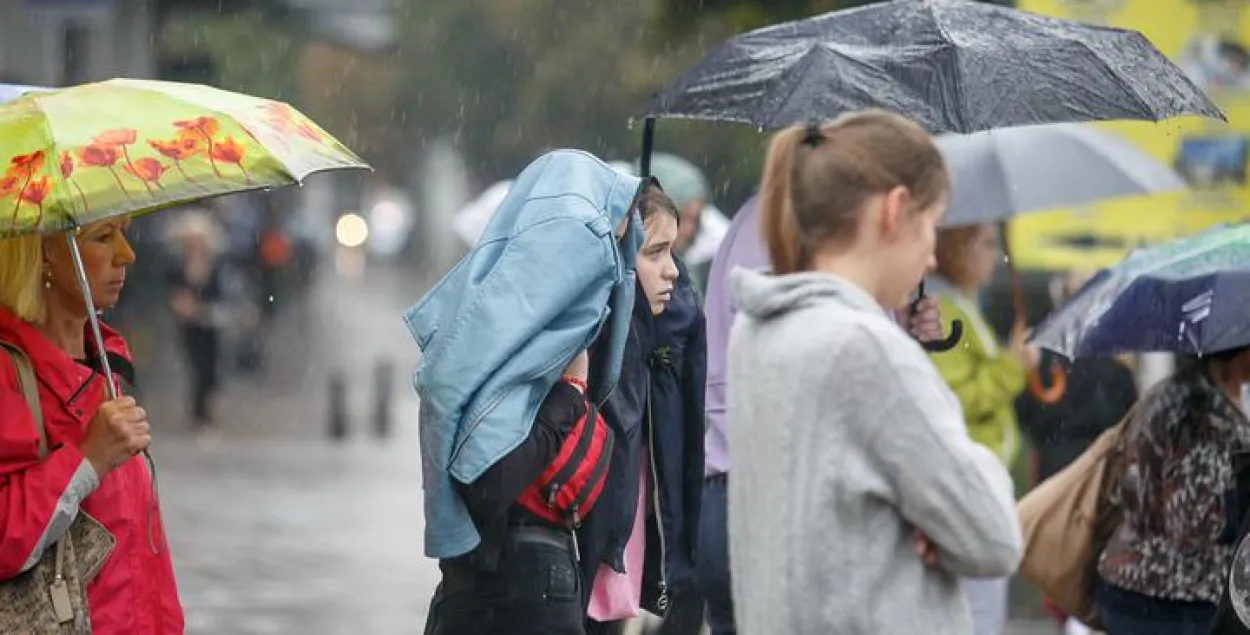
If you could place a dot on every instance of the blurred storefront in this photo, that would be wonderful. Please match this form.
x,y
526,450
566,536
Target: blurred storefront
x,y
1209,40
62,42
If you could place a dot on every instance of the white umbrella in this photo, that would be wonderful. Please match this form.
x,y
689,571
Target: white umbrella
x,y
1003,173
471,220
1006,172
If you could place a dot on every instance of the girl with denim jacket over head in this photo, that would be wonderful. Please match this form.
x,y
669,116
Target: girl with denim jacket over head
x,y
509,571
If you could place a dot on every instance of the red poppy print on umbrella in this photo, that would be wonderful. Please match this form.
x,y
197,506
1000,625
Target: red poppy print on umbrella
x,y
19,178
203,128
230,151
148,170
67,172
122,139
179,149
103,156
284,119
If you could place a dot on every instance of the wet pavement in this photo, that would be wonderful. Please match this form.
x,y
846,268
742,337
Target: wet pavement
x,y
275,528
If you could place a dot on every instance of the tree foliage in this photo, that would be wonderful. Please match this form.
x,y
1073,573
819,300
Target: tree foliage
x,y
505,80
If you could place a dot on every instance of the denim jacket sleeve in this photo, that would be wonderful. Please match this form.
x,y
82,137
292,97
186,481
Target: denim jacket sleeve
x,y
538,276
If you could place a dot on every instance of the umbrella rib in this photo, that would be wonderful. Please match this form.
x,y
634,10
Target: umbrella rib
x,y
1116,76
802,67
958,84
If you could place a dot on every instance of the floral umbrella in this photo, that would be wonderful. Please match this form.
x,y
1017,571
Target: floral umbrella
x,y
82,154
76,155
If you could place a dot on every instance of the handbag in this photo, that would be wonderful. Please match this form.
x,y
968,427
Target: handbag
x,y
1067,521
569,487
51,598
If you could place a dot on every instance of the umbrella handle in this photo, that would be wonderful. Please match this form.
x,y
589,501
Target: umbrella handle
x,y
1058,385
939,346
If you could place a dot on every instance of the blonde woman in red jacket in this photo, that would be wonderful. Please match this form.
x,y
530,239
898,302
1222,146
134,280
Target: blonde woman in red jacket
x,y
93,464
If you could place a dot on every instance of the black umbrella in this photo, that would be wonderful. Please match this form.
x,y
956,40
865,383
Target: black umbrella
x,y
951,65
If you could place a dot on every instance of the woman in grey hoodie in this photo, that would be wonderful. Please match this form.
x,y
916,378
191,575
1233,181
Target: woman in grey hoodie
x,y
849,451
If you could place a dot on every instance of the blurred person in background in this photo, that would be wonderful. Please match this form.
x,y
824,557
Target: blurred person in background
x,y
93,463
985,378
196,282
1098,392
1165,567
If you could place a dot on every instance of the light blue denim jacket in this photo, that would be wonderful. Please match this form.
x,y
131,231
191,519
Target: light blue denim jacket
x,y
498,330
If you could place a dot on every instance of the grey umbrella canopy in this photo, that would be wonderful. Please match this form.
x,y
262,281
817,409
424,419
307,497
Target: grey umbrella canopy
x,y
1000,174
952,65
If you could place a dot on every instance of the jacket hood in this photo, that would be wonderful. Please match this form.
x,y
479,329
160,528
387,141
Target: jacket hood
x,y
561,174
762,295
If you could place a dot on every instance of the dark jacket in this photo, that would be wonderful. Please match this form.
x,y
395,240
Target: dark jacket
x,y
491,498
658,401
1099,392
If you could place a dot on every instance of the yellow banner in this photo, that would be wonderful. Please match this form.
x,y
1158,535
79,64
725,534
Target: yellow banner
x,y
1209,40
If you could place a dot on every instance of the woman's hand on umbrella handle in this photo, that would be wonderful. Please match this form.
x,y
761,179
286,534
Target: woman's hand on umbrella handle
x,y
924,321
118,431
1029,355
925,549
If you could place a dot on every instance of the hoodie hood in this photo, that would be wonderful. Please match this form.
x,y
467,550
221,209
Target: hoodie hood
x,y
764,296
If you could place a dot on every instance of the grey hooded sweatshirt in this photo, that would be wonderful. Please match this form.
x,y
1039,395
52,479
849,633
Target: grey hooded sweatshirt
x,y
844,439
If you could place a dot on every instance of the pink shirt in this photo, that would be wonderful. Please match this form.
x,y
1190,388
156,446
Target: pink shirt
x,y
617,596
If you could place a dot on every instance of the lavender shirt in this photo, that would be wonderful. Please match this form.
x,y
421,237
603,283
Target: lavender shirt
x,y
742,247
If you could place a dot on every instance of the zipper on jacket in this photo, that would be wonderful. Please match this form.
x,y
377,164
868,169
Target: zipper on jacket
x,y
662,602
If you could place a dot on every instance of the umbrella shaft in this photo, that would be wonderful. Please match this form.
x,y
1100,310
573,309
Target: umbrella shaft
x,y
92,318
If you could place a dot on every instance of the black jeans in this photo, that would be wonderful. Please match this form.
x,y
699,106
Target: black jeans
x,y
1124,612
535,591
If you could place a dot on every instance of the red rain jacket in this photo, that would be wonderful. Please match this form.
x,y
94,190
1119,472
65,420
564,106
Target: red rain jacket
x,y
135,592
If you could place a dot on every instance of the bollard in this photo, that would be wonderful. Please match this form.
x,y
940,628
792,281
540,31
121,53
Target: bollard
x,y
338,406
383,385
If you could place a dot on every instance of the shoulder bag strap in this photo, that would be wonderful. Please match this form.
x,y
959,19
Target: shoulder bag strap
x,y
30,391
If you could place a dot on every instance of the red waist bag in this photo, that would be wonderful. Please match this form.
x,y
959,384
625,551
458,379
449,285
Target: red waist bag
x,y
568,489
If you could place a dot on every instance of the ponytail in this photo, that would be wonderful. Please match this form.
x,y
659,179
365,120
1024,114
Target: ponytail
x,y
787,252
817,179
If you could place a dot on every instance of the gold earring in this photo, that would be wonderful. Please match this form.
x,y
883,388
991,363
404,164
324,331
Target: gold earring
x,y
47,280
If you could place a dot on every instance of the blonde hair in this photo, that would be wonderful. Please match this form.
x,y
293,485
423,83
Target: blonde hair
x,y
21,274
817,179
